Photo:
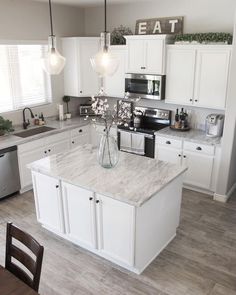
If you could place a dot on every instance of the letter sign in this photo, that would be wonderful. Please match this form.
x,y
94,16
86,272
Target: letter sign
x,y
166,25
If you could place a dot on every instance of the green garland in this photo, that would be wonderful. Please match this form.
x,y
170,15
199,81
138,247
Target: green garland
x,y
117,35
205,38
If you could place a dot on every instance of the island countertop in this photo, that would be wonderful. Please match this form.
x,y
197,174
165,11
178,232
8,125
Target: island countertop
x,y
134,180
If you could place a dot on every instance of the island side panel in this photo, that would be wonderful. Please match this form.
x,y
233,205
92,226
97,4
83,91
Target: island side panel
x,y
156,223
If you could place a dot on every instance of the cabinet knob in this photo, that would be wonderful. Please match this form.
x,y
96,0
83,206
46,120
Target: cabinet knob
x,y
81,130
179,155
143,68
45,152
73,142
190,99
196,100
97,201
198,148
57,186
168,142
49,150
185,156
91,198
81,91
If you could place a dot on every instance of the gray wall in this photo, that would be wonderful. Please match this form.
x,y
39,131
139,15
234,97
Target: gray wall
x,y
227,177
29,20
199,15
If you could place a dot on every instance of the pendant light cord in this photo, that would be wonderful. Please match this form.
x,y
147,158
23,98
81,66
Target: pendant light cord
x,y
105,26
51,23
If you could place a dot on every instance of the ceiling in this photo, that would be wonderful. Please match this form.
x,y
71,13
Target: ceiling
x,y
84,3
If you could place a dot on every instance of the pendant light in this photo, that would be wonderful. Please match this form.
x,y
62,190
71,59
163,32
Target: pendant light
x,y
104,63
54,62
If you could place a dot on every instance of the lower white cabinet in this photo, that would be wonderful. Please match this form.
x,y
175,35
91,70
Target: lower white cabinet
x,y
199,158
48,202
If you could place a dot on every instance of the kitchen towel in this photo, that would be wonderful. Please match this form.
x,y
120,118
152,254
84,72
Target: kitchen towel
x,y
125,141
138,143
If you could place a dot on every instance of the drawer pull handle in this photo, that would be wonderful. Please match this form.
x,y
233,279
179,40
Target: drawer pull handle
x,y
91,198
196,100
143,68
198,148
168,142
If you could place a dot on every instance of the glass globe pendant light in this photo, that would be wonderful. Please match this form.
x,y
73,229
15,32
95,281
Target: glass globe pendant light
x,y
54,62
104,63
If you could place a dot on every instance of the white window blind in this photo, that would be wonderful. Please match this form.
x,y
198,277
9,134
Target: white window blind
x,y
22,79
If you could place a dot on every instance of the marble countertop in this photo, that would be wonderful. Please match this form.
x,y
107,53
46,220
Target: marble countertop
x,y
193,135
11,139
134,180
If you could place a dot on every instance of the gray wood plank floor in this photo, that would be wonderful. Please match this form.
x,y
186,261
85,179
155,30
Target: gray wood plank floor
x,y
200,260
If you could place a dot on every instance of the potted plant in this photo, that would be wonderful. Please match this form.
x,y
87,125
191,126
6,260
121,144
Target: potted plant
x,y
66,99
5,126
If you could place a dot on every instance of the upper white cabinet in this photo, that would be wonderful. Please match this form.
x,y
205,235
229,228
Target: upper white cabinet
x,y
198,75
146,54
80,80
115,85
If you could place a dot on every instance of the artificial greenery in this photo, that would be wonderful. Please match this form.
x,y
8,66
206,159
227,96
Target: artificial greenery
x,y
117,35
5,126
205,38
66,99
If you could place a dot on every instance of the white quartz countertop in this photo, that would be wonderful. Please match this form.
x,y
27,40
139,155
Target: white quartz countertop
x,y
134,180
194,135
11,139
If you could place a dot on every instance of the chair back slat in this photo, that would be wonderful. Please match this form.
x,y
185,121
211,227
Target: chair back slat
x,y
12,251
23,257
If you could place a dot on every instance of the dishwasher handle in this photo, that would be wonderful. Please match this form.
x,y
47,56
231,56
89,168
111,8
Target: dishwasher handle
x,y
1,156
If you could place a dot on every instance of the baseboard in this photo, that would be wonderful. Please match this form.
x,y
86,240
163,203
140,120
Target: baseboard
x,y
199,190
225,198
26,189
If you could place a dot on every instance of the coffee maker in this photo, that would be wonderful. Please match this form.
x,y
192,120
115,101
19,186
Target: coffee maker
x,y
214,125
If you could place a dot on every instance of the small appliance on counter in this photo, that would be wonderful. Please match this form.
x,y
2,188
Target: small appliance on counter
x,y
214,125
86,110
181,121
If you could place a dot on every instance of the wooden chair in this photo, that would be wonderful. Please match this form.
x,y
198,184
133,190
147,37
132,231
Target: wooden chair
x,y
32,265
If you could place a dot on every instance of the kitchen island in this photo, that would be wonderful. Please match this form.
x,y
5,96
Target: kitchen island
x,y
127,214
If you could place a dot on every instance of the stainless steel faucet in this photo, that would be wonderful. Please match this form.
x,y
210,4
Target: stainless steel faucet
x,y
26,124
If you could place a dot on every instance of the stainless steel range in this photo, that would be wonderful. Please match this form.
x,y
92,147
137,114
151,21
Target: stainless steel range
x,y
141,140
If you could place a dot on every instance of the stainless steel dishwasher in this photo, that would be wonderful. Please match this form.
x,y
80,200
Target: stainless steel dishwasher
x,y
9,172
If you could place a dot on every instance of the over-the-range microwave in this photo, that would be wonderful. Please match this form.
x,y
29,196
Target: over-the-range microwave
x,y
145,86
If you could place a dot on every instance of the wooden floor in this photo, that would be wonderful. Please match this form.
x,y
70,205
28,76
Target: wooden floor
x,y
200,260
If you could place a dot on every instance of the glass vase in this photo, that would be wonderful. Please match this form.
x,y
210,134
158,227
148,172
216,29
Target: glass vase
x,y
108,154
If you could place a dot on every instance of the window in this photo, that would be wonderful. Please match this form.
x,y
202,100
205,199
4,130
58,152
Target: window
x,y
22,79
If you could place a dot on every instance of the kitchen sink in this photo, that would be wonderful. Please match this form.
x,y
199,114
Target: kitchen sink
x,y
34,131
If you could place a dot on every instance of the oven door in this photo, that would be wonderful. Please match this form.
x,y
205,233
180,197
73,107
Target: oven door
x,y
145,86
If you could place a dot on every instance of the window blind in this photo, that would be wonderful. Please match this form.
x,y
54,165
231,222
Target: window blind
x,y
22,79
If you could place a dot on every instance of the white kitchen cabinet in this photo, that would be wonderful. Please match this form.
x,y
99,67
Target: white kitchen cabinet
x,y
48,202
180,73
79,207
98,130
80,80
212,71
80,136
115,229
173,155
58,147
198,75
115,85
199,171
146,54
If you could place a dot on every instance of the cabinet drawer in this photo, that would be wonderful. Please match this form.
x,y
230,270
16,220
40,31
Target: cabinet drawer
x,y
57,137
79,131
200,148
170,142
30,146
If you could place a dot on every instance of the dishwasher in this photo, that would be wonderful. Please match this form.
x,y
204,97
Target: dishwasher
x,y
9,172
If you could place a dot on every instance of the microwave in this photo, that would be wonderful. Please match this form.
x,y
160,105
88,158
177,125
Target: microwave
x,y
145,86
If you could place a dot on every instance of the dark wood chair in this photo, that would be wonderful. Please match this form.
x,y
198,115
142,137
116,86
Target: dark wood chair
x,y
33,263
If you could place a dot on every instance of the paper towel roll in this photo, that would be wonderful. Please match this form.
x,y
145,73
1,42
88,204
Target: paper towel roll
x,y
61,112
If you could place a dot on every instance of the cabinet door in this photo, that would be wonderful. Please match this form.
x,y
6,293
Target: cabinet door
x,y
25,159
199,171
115,85
90,84
79,207
58,147
48,202
135,59
80,140
116,229
71,74
180,75
154,58
169,155
212,77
